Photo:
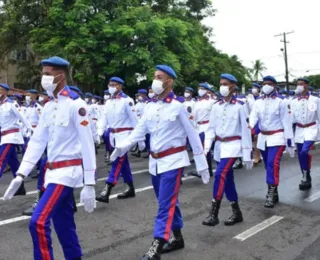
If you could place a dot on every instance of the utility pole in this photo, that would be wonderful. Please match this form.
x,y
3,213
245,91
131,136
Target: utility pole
x,y
285,55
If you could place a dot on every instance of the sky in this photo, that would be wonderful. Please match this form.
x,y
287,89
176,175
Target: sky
x,y
246,28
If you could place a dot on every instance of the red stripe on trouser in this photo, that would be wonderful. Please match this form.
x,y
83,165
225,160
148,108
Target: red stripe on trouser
x,y
223,178
4,154
309,161
44,247
172,207
276,165
117,172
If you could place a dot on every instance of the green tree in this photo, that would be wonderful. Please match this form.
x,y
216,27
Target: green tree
x,y
258,68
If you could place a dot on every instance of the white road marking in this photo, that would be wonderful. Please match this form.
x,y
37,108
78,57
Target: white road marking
x,y
100,179
257,228
313,197
17,219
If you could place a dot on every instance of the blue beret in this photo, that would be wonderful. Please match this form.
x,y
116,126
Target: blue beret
x,y
310,88
106,92
55,62
75,88
32,91
270,78
168,70
305,80
283,91
18,96
205,85
213,91
142,91
256,85
291,92
5,86
96,97
189,89
89,95
118,80
229,77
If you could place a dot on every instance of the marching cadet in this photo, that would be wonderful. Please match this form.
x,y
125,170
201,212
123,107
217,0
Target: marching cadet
x,y
151,95
168,123
33,108
118,115
11,135
229,128
274,120
106,96
43,98
202,109
93,117
188,97
306,113
256,89
64,130
106,134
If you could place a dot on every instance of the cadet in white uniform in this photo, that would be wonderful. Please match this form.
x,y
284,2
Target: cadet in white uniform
x,y
64,129
167,121
306,115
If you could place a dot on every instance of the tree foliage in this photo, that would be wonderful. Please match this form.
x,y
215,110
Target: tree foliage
x,y
127,38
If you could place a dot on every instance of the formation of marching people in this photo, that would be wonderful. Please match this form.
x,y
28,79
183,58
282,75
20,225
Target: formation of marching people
x,y
58,130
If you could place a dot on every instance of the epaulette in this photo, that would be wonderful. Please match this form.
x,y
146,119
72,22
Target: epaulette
x,y
180,99
240,102
73,95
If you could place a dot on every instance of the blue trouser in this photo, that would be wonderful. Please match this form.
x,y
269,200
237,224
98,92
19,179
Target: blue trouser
x,y
166,187
271,158
57,204
8,155
148,142
106,138
42,172
120,165
224,180
304,156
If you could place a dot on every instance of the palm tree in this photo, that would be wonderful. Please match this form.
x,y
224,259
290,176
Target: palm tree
x,y
257,69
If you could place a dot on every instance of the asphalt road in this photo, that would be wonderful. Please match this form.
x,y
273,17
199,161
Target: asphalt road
x,y
122,230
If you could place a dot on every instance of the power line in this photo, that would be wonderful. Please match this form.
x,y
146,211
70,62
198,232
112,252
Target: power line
x,y
285,55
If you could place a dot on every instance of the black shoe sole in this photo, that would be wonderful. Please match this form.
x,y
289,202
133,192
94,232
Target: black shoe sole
x,y
231,224
305,188
102,200
126,197
210,224
165,251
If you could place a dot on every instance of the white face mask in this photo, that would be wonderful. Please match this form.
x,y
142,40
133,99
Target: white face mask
x,y
255,91
186,94
48,85
224,91
202,92
157,86
28,99
112,90
267,89
94,101
151,95
41,99
106,97
299,89
137,100
140,98
87,100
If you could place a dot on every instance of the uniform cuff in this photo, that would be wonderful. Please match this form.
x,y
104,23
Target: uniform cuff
x,y
25,168
201,162
89,177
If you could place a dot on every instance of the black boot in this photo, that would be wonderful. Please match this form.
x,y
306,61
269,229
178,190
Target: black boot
x,y
136,153
105,193
128,193
21,191
29,211
155,250
236,216
270,201
213,219
276,195
209,160
238,164
306,181
176,242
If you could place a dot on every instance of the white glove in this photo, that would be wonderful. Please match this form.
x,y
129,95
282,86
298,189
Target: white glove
x,y
142,146
121,149
205,177
115,154
290,151
13,187
88,198
248,164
